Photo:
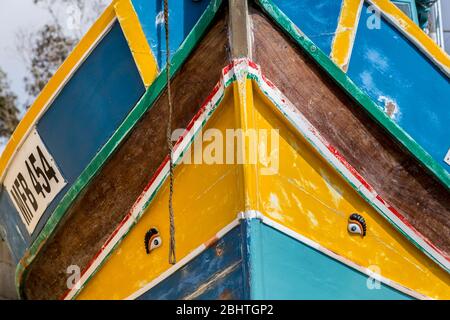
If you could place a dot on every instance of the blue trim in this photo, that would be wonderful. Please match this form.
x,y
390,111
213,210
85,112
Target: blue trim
x,y
183,15
81,119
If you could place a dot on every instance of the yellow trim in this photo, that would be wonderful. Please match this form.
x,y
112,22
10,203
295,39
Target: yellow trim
x,y
207,198
305,194
54,85
308,196
244,118
414,33
140,49
345,33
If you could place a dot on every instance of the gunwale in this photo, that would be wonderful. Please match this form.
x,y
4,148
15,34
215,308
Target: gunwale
x,y
355,135
300,124
327,65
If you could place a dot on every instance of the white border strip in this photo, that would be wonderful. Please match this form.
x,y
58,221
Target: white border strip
x,y
152,188
254,214
304,127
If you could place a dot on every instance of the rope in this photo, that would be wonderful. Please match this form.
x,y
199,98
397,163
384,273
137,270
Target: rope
x,y
172,257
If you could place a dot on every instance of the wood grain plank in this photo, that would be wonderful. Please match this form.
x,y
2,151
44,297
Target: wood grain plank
x,y
390,169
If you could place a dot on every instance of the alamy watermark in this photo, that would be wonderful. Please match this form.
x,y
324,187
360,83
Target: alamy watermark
x,y
232,146
374,280
74,276
374,20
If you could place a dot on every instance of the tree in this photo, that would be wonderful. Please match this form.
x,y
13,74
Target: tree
x,y
8,109
46,49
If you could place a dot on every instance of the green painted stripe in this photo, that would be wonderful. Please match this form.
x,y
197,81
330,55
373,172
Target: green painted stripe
x,y
370,201
150,199
108,149
355,92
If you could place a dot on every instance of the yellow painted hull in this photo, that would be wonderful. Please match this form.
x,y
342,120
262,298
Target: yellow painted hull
x,y
306,196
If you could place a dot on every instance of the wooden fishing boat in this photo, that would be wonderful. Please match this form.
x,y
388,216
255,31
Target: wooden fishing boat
x,y
337,186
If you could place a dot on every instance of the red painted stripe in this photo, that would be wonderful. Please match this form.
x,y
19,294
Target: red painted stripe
x,y
331,148
356,174
152,180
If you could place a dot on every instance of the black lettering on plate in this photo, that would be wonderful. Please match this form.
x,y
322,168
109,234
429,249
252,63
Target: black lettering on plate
x,y
49,171
20,199
27,191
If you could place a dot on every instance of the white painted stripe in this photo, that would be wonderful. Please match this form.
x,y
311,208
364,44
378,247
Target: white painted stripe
x,y
302,125
307,130
143,201
254,214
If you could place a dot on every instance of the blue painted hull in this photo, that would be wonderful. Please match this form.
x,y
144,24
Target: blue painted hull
x,y
81,119
389,68
93,103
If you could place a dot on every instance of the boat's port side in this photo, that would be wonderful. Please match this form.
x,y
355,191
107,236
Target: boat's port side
x,y
115,178
72,130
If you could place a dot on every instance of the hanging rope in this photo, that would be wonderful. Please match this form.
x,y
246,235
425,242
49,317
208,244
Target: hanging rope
x,y
172,257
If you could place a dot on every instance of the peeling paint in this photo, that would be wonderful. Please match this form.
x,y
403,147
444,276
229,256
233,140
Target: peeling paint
x,y
215,278
313,219
335,192
273,208
159,18
390,108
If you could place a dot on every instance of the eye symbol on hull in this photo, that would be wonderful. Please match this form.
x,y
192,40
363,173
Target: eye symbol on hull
x,y
152,240
357,225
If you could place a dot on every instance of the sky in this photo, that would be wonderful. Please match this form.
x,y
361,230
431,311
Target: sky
x,y
24,16
16,15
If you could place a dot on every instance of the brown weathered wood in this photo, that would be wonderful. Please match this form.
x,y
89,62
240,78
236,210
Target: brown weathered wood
x,y
391,170
103,204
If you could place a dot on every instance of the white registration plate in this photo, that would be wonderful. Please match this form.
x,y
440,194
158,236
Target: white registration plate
x,y
33,180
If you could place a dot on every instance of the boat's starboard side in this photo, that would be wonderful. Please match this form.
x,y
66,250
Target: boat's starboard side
x,y
383,56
